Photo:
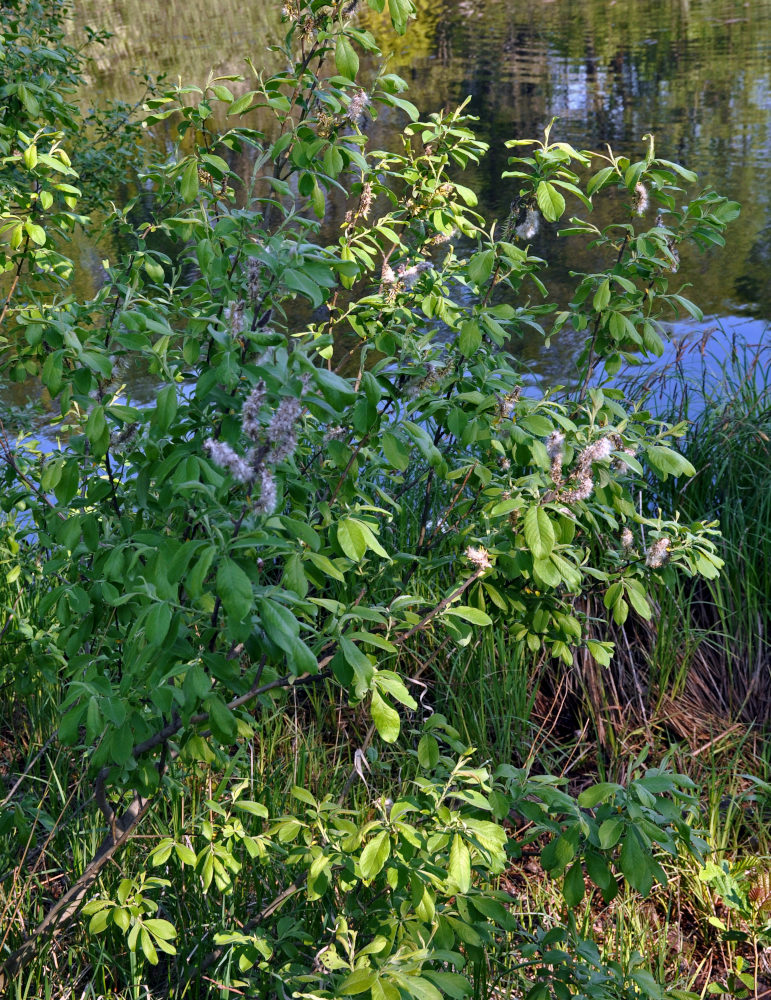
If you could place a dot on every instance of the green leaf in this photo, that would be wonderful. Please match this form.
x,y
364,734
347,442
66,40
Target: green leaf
x,y
165,408
319,207
400,102
636,595
253,808
428,752
359,981
333,161
599,651
537,424
688,175
325,565
419,987
148,947
460,864
550,201
602,296
346,59
161,929
351,539
473,615
620,611
599,179
302,658
470,338
362,667
189,186
185,854
36,233
97,432
242,104
375,855
99,921
195,579
539,532
299,281
157,623
392,683
400,11
602,792
573,887
385,717
450,983
598,870
293,577
669,462
371,538
337,391
395,452
222,721
481,266
222,94
70,725
610,833
546,573
634,863
234,589
279,623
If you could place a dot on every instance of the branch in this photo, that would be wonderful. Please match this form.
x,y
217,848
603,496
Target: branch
x,y
15,282
28,768
121,828
69,904
7,452
444,603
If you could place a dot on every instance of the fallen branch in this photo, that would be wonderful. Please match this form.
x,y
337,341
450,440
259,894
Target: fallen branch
x,y
65,909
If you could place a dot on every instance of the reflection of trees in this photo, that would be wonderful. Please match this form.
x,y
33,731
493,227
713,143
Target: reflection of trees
x,y
695,75
754,283
178,37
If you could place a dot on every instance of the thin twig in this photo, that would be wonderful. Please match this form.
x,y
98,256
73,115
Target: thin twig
x,y
27,769
444,603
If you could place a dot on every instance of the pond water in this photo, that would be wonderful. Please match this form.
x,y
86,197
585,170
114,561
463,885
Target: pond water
x,y
696,73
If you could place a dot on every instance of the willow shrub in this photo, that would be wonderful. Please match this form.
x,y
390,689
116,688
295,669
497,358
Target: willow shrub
x,y
201,557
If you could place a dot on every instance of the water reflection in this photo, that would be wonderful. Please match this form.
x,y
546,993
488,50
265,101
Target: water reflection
x,y
694,72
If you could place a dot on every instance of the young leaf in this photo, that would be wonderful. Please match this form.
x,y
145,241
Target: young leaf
x,y
550,201
351,538
460,864
375,855
386,719
401,11
539,532
189,185
473,615
346,59
428,752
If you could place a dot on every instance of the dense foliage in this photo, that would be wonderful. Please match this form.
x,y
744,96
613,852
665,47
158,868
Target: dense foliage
x,y
343,477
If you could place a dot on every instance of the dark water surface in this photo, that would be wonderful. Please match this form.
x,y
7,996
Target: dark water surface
x,y
696,73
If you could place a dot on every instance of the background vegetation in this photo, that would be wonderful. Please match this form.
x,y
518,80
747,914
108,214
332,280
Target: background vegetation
x,y
348,667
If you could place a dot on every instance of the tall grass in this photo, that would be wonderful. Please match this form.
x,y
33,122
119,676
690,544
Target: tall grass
x,y
724,391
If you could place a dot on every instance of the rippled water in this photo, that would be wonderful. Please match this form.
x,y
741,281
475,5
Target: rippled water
x,y
696,73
